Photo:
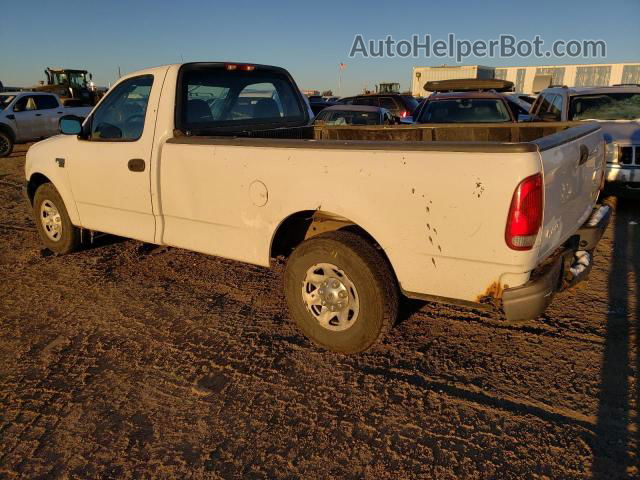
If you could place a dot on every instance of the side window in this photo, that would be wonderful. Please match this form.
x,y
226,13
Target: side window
x,y
46,102
388,103
371,101
544,104
25,104
556,107
121,115
258,100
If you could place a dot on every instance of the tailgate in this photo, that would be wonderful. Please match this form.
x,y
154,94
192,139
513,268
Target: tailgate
x,y
572,164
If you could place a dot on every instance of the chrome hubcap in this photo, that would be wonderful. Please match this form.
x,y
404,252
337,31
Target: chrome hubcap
x,y
330,296
51,220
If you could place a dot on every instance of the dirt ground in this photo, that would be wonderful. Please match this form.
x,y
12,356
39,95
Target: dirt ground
x,y
126,361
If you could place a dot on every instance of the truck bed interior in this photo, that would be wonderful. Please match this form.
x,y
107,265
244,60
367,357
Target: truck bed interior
x,y
530,136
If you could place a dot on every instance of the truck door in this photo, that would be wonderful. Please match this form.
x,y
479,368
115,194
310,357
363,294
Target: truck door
x,y
109,166
29,120
572,174
51,112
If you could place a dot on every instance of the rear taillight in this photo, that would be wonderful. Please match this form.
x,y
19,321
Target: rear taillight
x,y
404,114
525,214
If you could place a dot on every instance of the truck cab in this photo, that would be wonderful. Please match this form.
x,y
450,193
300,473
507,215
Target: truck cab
x,y
617,110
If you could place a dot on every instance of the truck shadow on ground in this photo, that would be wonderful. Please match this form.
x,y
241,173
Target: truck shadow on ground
x,y
617,429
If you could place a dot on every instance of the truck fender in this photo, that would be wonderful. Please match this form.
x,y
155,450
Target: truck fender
x,y
9,130
59,181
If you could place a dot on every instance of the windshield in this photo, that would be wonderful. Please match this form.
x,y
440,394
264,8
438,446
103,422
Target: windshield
x,y
74,79
5,100
605,106
345,117
465,110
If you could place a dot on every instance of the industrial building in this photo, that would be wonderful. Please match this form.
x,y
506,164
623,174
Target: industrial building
x,y
582,75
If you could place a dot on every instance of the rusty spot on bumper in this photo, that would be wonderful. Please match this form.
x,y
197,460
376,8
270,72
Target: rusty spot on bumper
x,y
491,294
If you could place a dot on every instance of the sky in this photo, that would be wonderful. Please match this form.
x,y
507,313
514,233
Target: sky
x,y
310,39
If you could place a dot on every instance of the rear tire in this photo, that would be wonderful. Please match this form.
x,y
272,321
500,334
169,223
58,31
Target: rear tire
x,y
52,221
6,144
341,291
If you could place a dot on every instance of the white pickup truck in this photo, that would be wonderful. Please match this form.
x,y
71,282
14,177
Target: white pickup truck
x,y
219,158
29,116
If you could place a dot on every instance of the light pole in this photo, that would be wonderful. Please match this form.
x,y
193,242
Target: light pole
x,y
341,67
418,75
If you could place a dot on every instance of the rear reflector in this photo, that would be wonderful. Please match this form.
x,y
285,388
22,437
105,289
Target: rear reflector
x,y
525,215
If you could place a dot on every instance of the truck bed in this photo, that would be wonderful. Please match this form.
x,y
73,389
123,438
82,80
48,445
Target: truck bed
x,y
523,137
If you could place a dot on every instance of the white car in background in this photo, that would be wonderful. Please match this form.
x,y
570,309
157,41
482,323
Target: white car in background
x,y
29,116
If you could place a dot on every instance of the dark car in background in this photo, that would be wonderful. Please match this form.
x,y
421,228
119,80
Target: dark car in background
x,y
400,105
354,115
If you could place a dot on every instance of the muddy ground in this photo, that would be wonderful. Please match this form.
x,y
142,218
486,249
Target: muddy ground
x,y
124,361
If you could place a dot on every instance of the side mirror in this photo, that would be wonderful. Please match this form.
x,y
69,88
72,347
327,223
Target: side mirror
x,y
70,125
17,108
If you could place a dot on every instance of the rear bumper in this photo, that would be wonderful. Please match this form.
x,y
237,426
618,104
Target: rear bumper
x,y
562,271
621,176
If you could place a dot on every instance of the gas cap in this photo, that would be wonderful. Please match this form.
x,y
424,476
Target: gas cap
x,y
258,193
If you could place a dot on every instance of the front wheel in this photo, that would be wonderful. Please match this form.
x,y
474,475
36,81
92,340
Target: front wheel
x,y
341,291
52,221
6,144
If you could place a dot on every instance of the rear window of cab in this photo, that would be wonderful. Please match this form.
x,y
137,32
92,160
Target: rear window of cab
x,y
218,97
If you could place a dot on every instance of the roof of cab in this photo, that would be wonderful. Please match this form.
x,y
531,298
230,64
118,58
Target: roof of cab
x,y
460,95
594,90
354,108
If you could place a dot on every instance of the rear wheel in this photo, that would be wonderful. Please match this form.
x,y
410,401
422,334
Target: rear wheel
x,y
6,144
52,221
341,291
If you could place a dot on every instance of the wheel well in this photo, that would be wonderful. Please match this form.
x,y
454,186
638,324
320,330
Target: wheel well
x,y
35,181
306,224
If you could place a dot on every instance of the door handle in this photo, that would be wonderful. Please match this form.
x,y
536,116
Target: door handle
x,y
584,155
136,165
38,114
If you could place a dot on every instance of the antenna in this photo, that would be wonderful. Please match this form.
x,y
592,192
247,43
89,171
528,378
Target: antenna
x,y
119,74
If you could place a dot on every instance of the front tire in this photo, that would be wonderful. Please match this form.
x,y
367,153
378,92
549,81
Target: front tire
x,y
341,291
52,221
6,144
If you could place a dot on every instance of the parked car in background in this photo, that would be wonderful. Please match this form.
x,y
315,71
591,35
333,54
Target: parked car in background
x,y
617,110
354,115
317,107
525,97
491,224
29,116
471,101
400,105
